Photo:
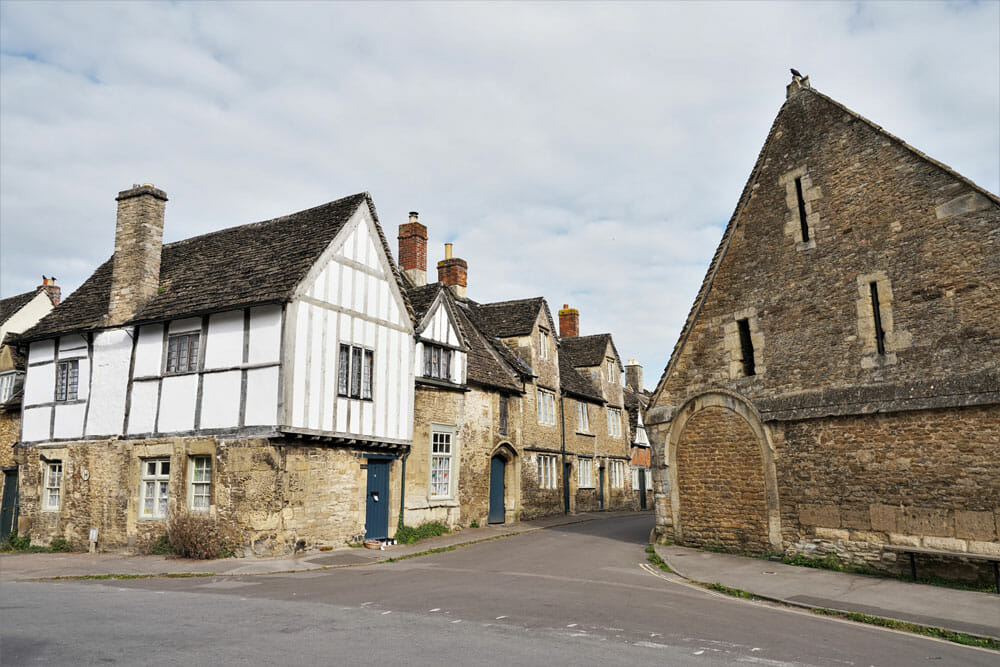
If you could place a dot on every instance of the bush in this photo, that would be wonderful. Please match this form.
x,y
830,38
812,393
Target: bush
x,y
60,545
409,534
202,537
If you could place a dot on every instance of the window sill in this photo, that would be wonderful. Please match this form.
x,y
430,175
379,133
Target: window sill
x,y
589,435
356,398
152,518
443,502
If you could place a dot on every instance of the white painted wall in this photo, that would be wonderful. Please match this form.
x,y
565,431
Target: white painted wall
x,y
178,399
142,412
350,296
224,347
439,328
220,406
27,316
112,353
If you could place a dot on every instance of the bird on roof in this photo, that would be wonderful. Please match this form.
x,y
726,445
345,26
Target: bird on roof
x,y
796,73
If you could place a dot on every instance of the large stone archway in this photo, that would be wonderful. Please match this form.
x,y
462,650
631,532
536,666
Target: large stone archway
x,y
724,488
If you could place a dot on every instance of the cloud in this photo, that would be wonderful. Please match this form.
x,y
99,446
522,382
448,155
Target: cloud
x,y
589,153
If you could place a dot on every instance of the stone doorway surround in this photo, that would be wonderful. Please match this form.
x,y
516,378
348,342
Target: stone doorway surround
x,y
740,406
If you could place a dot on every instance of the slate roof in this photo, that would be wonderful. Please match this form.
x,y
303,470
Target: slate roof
x,y
588,350
251,264
505,319
12,304
574,383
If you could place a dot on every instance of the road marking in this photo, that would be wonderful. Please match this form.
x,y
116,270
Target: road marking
x,y
457,620
386,612
571,625
499,617
435,609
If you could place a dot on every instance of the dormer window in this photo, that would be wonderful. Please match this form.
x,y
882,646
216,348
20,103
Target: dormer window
x,y
610,366
437,362
543,344
182,352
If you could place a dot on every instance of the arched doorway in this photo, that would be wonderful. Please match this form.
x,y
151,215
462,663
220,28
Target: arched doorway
x,y
723,481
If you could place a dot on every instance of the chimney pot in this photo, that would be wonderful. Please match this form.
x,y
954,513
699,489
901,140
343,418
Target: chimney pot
x,y
53,290
569,322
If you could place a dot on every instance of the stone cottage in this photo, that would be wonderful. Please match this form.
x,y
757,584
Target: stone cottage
x,y
506,427
261,374
836,386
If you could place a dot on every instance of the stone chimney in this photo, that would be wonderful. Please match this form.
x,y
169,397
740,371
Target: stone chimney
x,y
53,290
569,322
413,250
798,83
453,272
135,273
633,376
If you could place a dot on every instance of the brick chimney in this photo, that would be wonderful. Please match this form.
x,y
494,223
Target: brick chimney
x,y
569,322
633,376
453,272
413,250
135,273
53,290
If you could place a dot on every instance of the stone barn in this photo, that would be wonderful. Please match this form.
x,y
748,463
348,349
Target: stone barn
x,y
836,386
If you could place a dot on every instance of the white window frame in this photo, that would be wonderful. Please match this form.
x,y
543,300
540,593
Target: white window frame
x,y
198,486
442,451
548,477
355,374
157,481
53,486
585,473
611,371
615,422
546,401
67,380
616,474
7,382
544,339
582,417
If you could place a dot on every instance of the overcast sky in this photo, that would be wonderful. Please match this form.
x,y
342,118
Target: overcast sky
x,y
588,153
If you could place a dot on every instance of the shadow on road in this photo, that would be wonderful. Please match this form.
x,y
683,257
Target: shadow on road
x,y
633,528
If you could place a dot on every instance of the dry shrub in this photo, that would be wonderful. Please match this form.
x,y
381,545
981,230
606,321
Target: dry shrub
x,y
203,537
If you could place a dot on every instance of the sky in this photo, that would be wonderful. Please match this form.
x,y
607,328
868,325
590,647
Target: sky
x,y
590,153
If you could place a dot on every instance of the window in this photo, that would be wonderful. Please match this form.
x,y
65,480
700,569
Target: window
x,y
53,485
7,385
804,226
354,374
585,475
610,365
200,486
616,472
441,461
615,422
582,417
546,407
154,488
67,380
877,313
543,344
746,347
437,362
504,411
547,478
182,352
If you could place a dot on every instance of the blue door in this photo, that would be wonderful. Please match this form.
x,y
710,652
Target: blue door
x,y
497,487
8,506
377,505
600,486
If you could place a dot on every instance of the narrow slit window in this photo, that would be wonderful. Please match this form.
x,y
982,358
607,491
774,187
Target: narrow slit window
x,y
802,210
877,313
746,346
343,370
503,414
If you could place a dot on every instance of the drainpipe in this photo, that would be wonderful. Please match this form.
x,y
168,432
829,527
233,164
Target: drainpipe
x,y
565,477
402,489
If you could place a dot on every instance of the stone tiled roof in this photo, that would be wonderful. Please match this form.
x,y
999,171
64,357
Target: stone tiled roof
x,y
505,319
252,264
574,384
588,350
12,304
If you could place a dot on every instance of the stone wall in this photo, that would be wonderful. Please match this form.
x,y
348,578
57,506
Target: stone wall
x,y
281,494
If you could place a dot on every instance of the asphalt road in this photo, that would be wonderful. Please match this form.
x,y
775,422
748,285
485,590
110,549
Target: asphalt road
x,y
576,594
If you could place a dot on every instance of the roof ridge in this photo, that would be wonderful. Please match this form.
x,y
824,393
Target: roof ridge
x,y
510,301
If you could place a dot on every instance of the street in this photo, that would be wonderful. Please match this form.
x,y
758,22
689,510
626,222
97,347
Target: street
x,y
575,594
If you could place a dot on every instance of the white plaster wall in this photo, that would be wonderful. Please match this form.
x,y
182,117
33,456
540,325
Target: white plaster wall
x,y
27,316
35,424
43,350
72,346
262,397
142,412
265,334
39,383
224,347
149,351
177,403
112,354
182,326
221,400
69,420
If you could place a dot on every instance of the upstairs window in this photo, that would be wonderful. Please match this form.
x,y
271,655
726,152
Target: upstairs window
x,y
53,485
877,314
354,372
615,422
543,344
437,362
7,385
610,367
746,347
182,352
546,407
504,413
582,417
67,380
803,224
155,488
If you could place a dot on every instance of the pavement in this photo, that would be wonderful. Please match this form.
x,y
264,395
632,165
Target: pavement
x,y
972,612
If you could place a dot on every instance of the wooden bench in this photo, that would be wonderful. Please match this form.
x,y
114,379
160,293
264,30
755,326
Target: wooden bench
x,y
913,551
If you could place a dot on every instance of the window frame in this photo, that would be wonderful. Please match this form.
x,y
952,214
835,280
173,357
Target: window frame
x,y
438,361
610,366
67,380
546,406
355,372
616,474
544,340
192,353
7,381
56,468
194,484
548,475
614,422
504,415
447,433
582,417
585,480
161,485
